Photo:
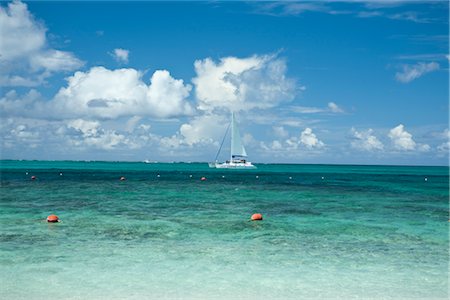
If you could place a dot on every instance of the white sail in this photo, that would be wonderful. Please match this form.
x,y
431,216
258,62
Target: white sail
x,y
238,154
237,148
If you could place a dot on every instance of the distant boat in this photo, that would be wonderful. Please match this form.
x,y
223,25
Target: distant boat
x,y
238,154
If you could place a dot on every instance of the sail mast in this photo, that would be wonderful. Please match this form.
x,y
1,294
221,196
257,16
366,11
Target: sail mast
x,y
232,136
221,144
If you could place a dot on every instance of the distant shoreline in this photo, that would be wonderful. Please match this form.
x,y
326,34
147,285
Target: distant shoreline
x,y
206,162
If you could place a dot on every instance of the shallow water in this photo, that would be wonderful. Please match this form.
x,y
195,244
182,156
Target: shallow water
x,y
328,231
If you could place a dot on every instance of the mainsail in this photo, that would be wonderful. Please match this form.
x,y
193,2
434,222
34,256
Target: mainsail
x,y
237,148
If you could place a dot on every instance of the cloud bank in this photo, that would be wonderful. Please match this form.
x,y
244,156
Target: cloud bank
x,y
107,94
235,84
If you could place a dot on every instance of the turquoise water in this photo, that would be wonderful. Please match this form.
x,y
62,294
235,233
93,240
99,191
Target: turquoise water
x,y
328,231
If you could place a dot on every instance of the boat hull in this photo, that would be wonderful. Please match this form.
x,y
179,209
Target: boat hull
x,y
246,165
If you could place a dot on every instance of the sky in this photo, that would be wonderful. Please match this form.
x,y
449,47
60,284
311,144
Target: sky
x,y
325,82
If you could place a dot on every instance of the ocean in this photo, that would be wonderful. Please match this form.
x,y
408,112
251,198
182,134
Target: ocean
x,y
328,231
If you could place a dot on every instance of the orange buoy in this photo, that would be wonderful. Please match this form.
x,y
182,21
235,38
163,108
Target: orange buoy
x,y
257,217
203,178
122,178
52,219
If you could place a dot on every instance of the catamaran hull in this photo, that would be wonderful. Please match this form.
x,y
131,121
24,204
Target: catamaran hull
x,y
246,165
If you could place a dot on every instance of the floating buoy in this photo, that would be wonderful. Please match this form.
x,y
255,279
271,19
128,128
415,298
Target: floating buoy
x,y
33,177
190,176
158,175
257,217
323,178
203,178
290,177
60,174
52,219
257,176
223,176
426,179
122,178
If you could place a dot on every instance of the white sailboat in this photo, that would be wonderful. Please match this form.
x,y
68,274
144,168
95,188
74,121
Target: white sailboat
x,y
238,154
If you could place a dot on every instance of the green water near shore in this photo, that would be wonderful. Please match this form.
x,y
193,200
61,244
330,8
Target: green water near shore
x,y
328,231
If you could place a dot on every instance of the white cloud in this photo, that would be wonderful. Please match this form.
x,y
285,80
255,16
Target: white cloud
x,y
276,145
13,104
309,139
410,16
290,8
205,129
121,55
21,34
445,146
307,110
92,135
411,72
87,128
249,140
22,132
25,57
334,108
364,140
130,125
105,93
280,132
293,123
403,140
331,108
242,83
53,61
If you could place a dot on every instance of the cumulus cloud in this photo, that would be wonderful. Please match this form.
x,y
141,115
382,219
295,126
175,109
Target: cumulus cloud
x,y
109,94
25,57
204,129
242,83
12,103
364,140
307,140
310,140
411,72
21,34
121,55
403,140
22,132
106,94
90,134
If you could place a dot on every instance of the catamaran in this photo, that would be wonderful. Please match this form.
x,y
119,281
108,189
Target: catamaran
x,y
238,154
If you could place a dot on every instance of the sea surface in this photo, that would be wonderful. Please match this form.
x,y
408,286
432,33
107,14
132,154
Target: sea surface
x,y
329,232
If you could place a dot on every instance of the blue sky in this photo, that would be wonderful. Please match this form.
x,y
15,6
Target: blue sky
x,y
357,82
